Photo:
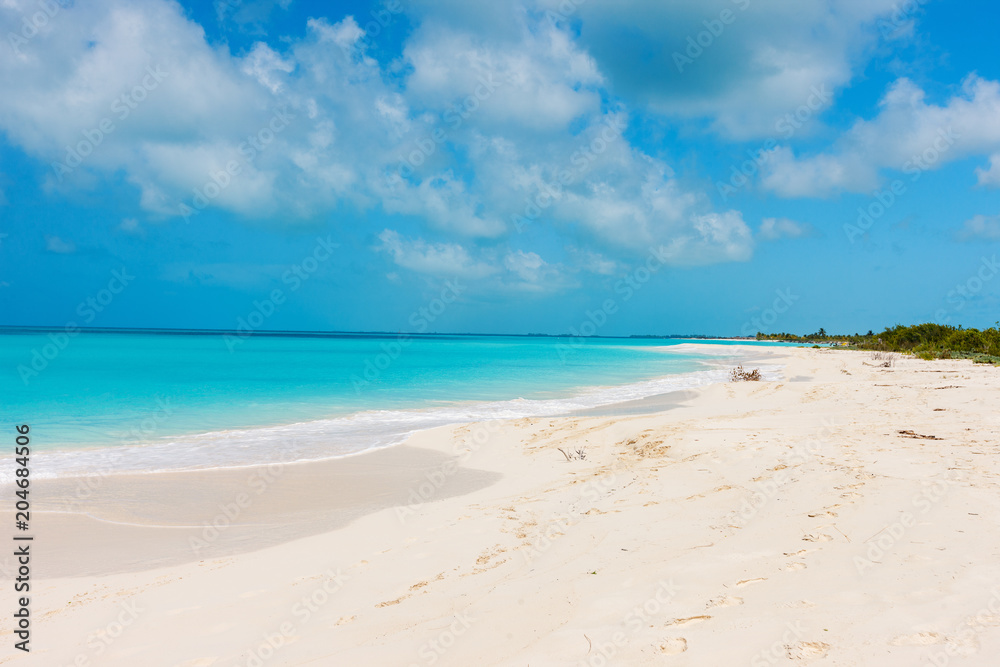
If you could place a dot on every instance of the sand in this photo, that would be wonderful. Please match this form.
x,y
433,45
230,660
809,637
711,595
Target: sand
x,y
844,515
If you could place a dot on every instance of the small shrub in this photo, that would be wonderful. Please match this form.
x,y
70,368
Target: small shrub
x,y
883,359
740,375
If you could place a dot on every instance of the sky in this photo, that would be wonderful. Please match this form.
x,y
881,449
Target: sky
x,y
718,167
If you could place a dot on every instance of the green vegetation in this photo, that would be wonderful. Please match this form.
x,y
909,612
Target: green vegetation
x,y
927,341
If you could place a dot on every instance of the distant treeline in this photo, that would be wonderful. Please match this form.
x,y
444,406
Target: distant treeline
x,y
928,341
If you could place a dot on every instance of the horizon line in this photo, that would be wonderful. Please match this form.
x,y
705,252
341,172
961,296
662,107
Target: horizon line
x,y
6,328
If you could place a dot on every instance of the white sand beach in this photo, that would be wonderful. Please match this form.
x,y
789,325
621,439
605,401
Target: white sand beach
x,y
845,515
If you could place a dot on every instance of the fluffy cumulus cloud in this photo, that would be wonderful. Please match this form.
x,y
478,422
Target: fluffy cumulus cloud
x,y
742,64
540,81
908,134
491,123
714,237
108,86
445,201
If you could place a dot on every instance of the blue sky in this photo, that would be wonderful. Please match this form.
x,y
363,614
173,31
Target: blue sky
x,y
513,167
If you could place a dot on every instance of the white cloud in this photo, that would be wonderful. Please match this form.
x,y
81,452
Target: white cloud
x,y
618,195
528,266
818,176
635,211
70,78
446,202
763,63
511,270
542,81
58,246
264,65
714,237
344,34
489,113
981,227
990,177
592,262
394,111
528,272
201,169
436,259
908,134
772,229
113,86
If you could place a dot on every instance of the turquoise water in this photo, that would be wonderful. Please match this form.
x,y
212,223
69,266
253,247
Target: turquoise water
x,y
206,399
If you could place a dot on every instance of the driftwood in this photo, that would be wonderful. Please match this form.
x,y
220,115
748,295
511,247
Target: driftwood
x,y
740,375
578,454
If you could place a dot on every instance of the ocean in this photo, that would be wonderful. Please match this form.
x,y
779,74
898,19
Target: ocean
x,y
101,402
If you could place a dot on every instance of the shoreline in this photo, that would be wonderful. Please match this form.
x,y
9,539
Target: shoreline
x,y
103,461
735,517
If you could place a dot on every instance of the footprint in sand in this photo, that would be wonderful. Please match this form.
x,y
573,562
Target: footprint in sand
x,y
674,646
919,639
690,620
800,551
806,650
822,537
389,603
747,582
725,601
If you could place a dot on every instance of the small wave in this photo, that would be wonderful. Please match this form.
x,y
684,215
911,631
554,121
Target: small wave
x,y
340,437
